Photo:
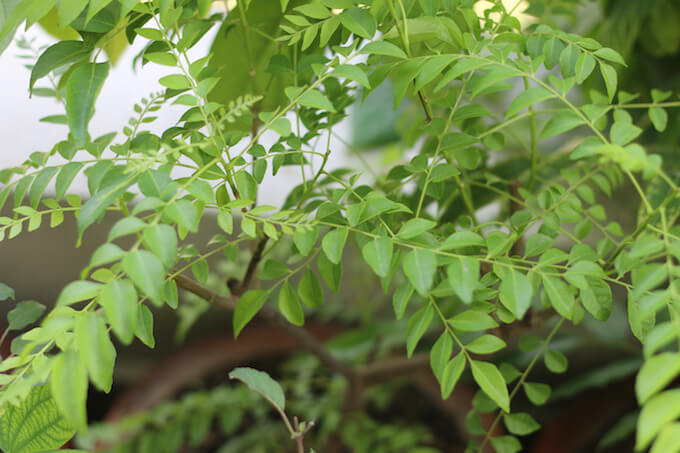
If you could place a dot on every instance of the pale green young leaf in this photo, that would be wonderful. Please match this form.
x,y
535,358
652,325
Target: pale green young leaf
x,y
656,373
175,82
263,384
659,118
623,133
657,413
378,255
417,326
105,254
596,297
490,380
668,440
35,425
516,292
119,299
506,444
463,274
125,226
82,89
451,374
247,307
304,239
560,123
309,289
77,291
609,54
289,305
147,272
334,243
419,267
69,388
96,350
225,221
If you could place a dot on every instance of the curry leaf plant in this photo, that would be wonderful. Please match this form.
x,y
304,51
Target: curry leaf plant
x,y
492,215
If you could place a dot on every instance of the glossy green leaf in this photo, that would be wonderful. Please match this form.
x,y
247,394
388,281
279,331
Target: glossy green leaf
x,y
516,292
537,392
491,381
584,67
57,55
247,307
305,239
317,100
383,48
486,344
610,79
289,305
656,373
417,326
334,243
440,354
472,321
657,413
330,273
451,374
82,89
65,178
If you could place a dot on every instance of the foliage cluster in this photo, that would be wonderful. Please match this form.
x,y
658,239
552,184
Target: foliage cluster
x,y
495,117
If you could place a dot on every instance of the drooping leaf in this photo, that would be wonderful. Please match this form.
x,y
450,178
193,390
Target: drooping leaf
x,y
262,383
491,381
147,272
57,55
417,326
289,305
378,255
247,307
309,289
96,349
69,388
659,410
463,274
119,299
82,89
420,266
516,292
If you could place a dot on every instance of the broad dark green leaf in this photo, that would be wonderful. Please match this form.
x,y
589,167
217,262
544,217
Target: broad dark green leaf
x,y
35,425
82,89
247,307
57,55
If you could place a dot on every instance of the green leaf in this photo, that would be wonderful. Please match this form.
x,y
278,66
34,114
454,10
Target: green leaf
x,y
490,380
463,274
383,48
162,241
400,299
289,305
657,413
659,118
415,227
95,7
247,307
184,213
597,298
25,313
486,344
304,239
175,82
69,10
125,226
352,73
334,243
119,299
147,272
78,291
96,349
34,425
69,388
315,99
552,50
65,178
419,267
105,196
39,185
359,21
537,392
623,133
246,184
463,239
656,373
555,361
6,292
330,273
417,326
520,423
263,384
610,54
225,221
560,297
144,329
560,123
378,255
309,289
516,293
440,354
472,321
584,67
610,79
106,253
668,440
82,89
57,55
506,444
454,369
527,98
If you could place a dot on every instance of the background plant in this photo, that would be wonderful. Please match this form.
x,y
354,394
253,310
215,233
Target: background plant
x,y
492,116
